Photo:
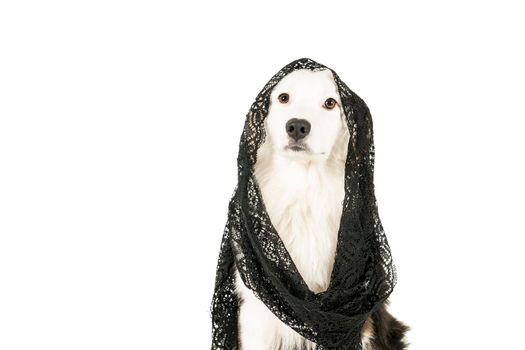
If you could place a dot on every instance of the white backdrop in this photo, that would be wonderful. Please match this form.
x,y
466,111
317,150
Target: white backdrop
x,y
119,128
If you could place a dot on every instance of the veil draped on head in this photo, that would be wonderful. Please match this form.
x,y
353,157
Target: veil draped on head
x,y
363,275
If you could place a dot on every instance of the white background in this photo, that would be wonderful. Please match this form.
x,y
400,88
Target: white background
x,y
119,128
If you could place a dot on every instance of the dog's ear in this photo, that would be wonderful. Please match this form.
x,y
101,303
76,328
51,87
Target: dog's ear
x,y
363,119
254,132
359,122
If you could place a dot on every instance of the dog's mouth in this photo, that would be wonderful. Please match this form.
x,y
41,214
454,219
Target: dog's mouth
x,y
297,147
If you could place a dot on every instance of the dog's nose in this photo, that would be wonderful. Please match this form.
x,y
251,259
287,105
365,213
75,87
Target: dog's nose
x,y
297,128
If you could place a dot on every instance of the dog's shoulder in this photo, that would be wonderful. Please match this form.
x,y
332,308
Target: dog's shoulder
x,y
389,333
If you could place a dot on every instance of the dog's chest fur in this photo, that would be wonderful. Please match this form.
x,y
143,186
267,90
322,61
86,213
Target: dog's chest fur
x,y
304,202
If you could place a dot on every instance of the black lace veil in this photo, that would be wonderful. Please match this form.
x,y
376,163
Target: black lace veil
x,y
363,275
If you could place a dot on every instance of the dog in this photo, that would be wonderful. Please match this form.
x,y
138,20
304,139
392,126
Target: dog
x,y
300,170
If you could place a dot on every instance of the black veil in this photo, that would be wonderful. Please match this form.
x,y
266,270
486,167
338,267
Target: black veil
x,y
363,275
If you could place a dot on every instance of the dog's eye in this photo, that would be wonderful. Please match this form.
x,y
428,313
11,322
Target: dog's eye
x,y
283,98
330,103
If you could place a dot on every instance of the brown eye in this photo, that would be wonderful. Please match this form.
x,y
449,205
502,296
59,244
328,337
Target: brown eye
x,y
283,98
330,103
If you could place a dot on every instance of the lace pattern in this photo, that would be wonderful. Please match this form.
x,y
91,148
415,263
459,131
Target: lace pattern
x,y
363,275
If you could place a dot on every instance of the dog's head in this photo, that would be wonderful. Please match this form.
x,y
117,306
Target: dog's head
x,y
306,119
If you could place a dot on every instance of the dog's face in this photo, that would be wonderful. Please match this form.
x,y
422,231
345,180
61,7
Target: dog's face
x,y
305,118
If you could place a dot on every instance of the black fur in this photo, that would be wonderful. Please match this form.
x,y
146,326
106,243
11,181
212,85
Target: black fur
x,y
389,332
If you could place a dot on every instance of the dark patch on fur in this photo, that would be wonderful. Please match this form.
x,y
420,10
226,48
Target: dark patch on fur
x,y
389,332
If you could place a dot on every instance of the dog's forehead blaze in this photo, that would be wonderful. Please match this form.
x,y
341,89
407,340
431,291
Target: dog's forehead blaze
x,y
320,83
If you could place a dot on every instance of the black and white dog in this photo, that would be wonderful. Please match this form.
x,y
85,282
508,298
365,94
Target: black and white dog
x,y
300,169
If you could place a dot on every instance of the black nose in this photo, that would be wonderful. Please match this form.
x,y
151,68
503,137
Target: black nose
x,y
297,128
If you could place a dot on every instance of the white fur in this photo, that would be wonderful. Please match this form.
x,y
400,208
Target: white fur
x,y
303,192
